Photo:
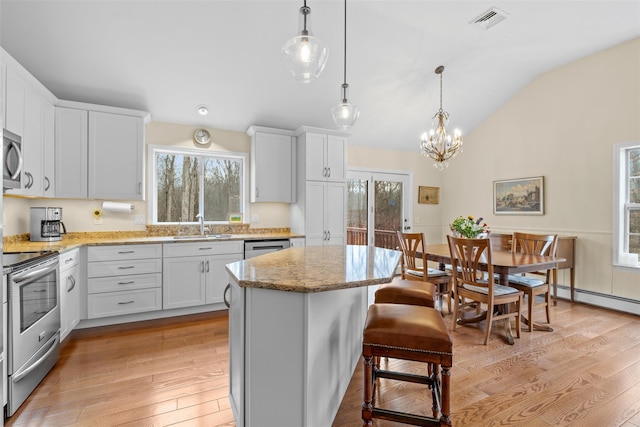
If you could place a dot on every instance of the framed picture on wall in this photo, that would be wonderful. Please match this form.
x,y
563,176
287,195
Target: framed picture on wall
x,y
521,196
429,195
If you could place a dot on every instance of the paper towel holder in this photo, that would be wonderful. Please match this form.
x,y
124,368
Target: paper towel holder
x,y
117,207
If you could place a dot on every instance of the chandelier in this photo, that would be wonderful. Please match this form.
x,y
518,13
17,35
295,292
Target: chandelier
x,y
344,113
304,54
438,143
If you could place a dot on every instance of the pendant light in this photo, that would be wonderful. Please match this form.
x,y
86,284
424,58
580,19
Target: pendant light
x,y
345,114
304,54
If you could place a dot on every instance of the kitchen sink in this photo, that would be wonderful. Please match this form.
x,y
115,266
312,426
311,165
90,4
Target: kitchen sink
x,y
200,237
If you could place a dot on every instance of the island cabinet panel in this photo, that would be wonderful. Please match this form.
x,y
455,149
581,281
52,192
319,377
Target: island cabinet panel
x,y
123,279
194,273
279,367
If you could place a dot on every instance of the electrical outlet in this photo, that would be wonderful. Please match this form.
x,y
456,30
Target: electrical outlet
x,y
255,218
139,220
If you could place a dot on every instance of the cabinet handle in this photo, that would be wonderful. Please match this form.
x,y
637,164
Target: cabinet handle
x,y
206,249
68,260
29,183
48,184
202,266
257,192
127,267
328,235
126,283
126,302
73,283
139,187
126,252
329,172
227,302
207,266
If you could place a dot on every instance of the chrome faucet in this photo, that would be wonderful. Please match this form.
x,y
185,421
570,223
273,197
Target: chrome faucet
x,y
201,219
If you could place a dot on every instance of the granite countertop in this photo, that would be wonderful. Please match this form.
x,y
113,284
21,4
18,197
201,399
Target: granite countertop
x,y
123,238
317,268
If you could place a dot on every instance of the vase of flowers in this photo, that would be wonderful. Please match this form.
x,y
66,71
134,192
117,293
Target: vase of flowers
x,y
469,228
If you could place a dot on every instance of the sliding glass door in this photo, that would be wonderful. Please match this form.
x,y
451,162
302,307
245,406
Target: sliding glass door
x,y
378,205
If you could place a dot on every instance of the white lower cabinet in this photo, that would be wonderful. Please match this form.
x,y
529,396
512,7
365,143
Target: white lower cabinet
x,y
69,292
194,273
123,279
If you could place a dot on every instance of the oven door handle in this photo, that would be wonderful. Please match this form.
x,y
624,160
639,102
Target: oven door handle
x,y
21,374
36,274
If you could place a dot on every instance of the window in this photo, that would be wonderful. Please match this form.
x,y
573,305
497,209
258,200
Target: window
x,y
626,227
188,182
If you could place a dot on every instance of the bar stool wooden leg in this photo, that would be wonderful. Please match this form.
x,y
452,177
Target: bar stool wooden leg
x,y
446,391
367,406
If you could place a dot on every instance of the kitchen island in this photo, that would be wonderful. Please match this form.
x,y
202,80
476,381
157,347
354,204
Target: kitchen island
x,y
295,330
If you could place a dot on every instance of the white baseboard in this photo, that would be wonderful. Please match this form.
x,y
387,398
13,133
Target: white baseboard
x,y
601,300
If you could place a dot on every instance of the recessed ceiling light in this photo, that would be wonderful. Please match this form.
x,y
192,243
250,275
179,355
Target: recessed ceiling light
x,y
203,110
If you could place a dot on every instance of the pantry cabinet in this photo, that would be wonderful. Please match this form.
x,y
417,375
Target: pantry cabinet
x,y
320,208
194,273
99,152
273,171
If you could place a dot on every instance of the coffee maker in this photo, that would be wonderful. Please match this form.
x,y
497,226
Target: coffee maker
x,y
47,225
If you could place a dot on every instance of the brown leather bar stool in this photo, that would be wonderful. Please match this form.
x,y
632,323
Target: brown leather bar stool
x,y
403,291
407,332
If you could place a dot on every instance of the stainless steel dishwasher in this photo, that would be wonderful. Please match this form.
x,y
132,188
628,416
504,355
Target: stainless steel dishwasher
x,y
254,248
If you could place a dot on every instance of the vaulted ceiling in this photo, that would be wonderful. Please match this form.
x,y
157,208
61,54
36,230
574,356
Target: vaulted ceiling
x,y
167,57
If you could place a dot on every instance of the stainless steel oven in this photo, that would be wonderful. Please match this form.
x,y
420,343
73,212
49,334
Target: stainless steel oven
x,y
34,323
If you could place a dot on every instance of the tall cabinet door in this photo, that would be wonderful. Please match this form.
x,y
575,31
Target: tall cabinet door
x,y
32,145
315,231
71,153
335,209
116,149
336,153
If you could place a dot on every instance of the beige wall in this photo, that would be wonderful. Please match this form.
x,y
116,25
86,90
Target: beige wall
x,y
561,126
78,214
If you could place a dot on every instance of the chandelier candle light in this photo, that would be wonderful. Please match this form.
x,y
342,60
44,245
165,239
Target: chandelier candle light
x,y
345,114
438,144
304,54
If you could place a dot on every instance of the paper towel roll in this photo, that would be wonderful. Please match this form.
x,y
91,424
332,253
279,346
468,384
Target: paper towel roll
x,y
117,207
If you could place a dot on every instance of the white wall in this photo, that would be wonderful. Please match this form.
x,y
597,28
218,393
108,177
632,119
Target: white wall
x,y
561,126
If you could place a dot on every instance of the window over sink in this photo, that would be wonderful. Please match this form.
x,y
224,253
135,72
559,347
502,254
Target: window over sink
x,y
187,182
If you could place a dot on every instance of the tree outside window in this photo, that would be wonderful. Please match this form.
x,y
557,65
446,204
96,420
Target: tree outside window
x,y
188,183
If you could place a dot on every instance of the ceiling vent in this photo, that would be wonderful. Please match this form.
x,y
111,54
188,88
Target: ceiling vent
x,y
489,18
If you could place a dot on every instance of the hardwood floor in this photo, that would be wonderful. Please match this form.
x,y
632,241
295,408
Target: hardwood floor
x,y
175,372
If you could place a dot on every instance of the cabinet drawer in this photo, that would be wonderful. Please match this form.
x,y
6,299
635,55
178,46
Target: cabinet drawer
x,y
123,252
98,285
69,259
121,268
203,248
125,302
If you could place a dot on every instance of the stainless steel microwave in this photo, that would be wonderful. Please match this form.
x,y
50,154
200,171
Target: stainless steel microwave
x,y
11,160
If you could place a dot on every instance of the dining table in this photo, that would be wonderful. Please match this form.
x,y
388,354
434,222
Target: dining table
x,y
504,264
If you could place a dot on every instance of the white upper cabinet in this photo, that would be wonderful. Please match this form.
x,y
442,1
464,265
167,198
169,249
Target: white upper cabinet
x,y
116,156
273,171
28,113
71,145
99,154
324,154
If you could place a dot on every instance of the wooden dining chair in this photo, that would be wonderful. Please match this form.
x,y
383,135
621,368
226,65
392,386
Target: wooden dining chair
x,y
415,267
470,285
534,244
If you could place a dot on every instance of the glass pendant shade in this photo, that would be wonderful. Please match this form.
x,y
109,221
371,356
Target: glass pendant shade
x,y
304,54
345,114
